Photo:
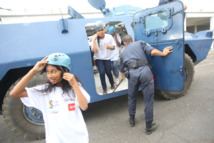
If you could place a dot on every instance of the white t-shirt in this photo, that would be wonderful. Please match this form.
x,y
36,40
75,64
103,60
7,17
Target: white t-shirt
x,y
63,118
103,53
115,52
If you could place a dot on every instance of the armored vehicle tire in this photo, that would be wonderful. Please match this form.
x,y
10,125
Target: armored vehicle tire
x,y
25,121
188,77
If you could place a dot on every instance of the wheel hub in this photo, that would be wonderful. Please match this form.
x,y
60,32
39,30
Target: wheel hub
x,y
33,115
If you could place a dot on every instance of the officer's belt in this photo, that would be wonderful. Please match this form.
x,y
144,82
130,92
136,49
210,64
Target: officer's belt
x,y
136,64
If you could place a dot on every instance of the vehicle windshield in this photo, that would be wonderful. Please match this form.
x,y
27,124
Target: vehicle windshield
x,y
156,21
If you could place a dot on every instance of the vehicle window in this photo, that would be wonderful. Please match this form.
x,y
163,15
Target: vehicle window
x,y
154,21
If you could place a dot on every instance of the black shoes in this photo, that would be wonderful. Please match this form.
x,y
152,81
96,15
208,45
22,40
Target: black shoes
x,y
132,120
104,91
113,86
150,127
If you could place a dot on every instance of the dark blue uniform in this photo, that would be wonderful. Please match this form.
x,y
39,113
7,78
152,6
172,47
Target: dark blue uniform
x,y
141,76
161,2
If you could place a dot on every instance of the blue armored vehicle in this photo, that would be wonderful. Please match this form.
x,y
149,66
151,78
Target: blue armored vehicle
x,y
23,44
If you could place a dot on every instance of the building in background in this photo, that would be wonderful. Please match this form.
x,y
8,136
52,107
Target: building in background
x,y
199,20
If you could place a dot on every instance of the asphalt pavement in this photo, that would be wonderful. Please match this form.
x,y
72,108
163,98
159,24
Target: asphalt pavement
x,y
189,119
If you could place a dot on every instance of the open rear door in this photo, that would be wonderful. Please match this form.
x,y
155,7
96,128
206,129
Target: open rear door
x,y
161,27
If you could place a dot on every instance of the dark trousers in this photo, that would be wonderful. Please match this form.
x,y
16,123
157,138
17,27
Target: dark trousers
x,y
104,67
141,77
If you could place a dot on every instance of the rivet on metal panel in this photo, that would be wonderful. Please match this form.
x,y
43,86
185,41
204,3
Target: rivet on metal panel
x,y
147,33
156,32
163,30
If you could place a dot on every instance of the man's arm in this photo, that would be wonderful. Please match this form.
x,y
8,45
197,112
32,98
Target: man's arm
x,y
165,52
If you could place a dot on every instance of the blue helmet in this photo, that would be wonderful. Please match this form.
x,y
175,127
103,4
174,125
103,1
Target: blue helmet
x,y
59,59
98,25
111,29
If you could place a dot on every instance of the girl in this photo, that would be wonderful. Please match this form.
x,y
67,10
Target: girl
x,y
102,45
60,100
111,29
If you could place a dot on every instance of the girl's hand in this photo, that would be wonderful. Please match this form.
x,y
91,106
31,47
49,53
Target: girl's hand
x,y
40,65
95,36
107,46
70,78
115,35
83,104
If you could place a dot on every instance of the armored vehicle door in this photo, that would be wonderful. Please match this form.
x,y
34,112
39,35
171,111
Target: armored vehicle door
x,y
163,26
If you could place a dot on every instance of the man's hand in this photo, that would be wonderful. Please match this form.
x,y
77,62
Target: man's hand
x,y
167,50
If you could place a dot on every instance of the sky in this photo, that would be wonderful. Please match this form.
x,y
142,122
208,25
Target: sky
x,y
84,6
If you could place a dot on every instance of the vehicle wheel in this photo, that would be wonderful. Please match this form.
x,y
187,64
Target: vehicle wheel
x,y
188,77
25,121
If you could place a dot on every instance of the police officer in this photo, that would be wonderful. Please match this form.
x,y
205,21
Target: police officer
x,y
133,60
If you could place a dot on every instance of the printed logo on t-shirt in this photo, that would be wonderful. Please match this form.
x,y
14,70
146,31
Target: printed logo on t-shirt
x,y
53,106
71,107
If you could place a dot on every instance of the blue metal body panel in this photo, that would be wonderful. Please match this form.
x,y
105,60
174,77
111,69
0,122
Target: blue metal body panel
x,y
161,31
199,43
22,45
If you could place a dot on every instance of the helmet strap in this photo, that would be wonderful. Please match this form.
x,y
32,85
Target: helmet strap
x,y
61,74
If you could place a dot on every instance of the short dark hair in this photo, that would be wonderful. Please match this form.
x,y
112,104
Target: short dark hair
x,y
127,39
